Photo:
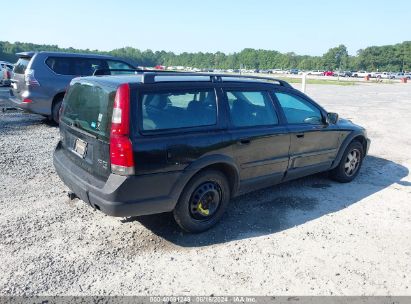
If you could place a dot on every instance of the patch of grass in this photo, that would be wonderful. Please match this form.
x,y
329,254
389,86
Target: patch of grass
x,y
385,81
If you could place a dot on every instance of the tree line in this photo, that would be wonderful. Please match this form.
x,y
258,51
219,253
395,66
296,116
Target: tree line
x,y
383,58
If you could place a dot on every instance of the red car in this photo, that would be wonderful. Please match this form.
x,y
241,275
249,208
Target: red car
x,y
328,73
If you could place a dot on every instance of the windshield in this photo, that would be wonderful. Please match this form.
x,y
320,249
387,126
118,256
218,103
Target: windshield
x,y
89,107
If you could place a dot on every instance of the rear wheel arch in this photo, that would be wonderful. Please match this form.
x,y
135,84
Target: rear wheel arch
x,y
229,172
58,98
223,165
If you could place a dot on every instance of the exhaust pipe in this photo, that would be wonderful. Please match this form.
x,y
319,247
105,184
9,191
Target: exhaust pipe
x,y
71,195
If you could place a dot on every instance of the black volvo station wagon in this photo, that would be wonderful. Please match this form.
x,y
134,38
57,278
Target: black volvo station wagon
x,y
188,142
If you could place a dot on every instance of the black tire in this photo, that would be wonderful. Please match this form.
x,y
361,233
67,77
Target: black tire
x,y
55,112
189,212
350,163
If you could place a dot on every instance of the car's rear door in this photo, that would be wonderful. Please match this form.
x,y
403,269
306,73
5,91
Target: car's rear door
x,y
84,127
176,124
314,143
260,141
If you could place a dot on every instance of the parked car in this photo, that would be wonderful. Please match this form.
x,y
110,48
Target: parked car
x,y
328,73
316,72
187,144
385,75
343,73
5,73
294,71
40,79
400,75
360,74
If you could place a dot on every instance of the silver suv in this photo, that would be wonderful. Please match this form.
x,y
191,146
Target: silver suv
x,y
40,79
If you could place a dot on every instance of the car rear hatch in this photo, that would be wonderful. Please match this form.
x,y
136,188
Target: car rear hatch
x,y
18,82
85,127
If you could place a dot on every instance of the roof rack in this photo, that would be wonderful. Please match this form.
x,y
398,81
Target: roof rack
x,y
148,76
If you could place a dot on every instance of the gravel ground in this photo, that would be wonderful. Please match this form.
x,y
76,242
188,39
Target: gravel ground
x,y
307,237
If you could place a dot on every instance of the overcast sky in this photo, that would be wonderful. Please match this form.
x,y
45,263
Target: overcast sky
x,y
304,27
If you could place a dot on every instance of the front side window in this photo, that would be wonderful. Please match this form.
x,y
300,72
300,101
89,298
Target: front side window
x,y
183,109
297,110
251,108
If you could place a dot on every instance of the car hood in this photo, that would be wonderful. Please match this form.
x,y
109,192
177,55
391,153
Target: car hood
x,y
345,123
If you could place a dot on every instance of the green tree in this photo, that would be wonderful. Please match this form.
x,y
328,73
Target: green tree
x,y
336,58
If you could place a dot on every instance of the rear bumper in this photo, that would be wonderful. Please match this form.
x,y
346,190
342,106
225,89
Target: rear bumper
x,y
40,104
120,195
26,106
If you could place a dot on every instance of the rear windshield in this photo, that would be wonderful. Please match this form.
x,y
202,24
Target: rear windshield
x,y
178,109
89,107
21,65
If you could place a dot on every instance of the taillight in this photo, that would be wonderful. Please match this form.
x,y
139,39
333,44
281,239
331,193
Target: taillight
x,y
8,75
27,100
30,79
121,149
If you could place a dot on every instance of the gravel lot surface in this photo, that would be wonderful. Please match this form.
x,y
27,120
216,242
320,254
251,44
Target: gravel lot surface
x,y
307,237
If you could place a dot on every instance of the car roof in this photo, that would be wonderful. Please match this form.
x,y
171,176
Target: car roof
x,y
64,54
116,80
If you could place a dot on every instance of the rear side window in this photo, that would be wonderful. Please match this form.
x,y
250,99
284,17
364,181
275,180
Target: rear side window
x,y
119,65
182,109
89,107
21,65
75,66
249,109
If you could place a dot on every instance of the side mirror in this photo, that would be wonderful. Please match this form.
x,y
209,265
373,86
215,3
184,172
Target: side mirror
x,y
332,118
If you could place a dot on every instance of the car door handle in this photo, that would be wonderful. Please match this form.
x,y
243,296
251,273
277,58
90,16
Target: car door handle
x,y
246,141
300,135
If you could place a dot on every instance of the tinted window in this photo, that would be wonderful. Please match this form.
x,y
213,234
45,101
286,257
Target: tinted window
x,y
251,109
119,65
21,65
89,107
171,110
75,66
297,110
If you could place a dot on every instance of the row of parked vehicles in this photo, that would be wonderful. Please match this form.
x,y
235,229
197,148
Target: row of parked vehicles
x,y
135,142
362,74
358,74
6,69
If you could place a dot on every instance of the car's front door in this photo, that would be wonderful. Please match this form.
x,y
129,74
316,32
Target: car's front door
x,y
314,143
260,142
